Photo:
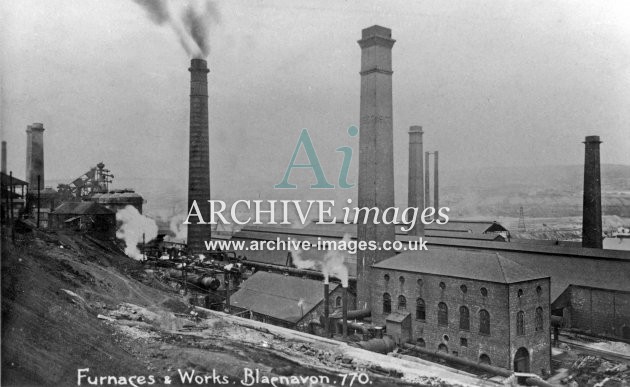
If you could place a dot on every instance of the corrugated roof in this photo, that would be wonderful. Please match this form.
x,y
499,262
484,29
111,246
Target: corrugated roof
x,y
279,296
461,263
6,180
82,208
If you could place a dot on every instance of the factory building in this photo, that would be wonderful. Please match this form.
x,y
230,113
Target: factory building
x,y
118,199
287,301
88,217
601,310
476,305
14,193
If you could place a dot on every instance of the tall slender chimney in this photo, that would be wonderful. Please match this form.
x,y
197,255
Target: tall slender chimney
x,y
416,177
376,151
4,157
198,154
592,208
36,163
427,177
326,307
436,185
344,311
29,152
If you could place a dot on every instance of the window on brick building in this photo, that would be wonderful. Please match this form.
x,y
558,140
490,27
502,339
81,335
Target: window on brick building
x,y
520,323
386,277
464,318
484,292
520,293
387,303
401,280
421,311
539,290
419,282
539,319
402,303
338,302
463,288
484,359
420,343
463,342
442,314
442,285
484,322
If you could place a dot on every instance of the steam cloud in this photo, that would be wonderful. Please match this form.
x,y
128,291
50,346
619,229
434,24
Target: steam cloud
x,y
333,263
191,22
134,225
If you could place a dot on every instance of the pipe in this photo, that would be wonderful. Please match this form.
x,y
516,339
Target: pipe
x,y
353,314
384,345
592,204
39,203
484,367
326,308
291,270
355,326
345,311
227,291
436,186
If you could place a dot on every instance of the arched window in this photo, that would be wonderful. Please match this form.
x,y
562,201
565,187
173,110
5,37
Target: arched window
x,y
539,319
442,314
520,323
402,303
421,311
386,277
484,359
443,348
442,285
463,288
484,292
387,303
420,342
401,280
338,302
520,293
464,318
484,322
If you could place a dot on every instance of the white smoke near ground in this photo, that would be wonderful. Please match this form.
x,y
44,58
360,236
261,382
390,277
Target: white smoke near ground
x,y
178,228
134,227
332,264
190,20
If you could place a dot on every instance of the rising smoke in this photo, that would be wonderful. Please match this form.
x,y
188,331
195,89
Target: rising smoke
x,y
190,20
332,264
134,226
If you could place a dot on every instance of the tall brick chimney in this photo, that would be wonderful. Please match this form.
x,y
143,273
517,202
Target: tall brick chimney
x,y
198,154
376,150
35,155
416,177
4,157
427,179
592,207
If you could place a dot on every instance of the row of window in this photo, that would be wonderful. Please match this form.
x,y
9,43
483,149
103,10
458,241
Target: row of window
x,y
464,315
463,288
483,358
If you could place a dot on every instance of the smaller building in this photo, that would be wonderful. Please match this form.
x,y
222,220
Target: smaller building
x,y
14,193
598,310
84,216
291,302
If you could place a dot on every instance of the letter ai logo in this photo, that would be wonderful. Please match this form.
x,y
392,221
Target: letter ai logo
x,y
304,141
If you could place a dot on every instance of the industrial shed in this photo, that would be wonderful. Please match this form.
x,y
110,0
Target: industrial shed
x,y
84,216
287,301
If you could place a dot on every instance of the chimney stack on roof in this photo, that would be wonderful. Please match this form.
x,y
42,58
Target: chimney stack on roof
x,y
416,178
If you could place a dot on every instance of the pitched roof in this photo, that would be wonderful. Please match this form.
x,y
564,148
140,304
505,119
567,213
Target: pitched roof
x,y
279,296
82,208
6,180
461,263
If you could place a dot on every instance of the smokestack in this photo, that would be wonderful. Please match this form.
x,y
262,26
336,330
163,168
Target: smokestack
x,y
436,185
35,155
427,177
326,307
4,157
344,311
416,178
198,154
592,208
376,150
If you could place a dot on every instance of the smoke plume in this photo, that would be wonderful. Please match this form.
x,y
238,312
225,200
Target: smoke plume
x,y
134,226
190,20
332,264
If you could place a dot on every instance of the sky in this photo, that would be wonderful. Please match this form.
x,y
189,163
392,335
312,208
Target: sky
x,y
510,83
